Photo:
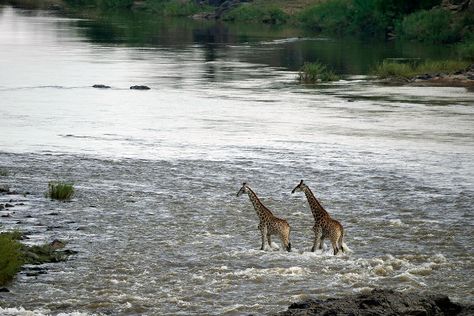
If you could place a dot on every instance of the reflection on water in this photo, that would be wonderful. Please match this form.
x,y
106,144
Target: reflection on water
x,y
156,221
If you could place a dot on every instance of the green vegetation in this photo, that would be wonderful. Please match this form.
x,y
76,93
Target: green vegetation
x,y
465,50
408,70
332,17
14,254
249,12
435,26
316,72
60,191
421,20
11,258
174,7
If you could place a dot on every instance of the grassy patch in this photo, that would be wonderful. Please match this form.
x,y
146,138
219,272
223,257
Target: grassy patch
x,y
390,69
316,72
60,191
3,172
10,258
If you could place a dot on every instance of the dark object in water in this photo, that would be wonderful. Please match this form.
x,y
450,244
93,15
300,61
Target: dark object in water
x,y
381,302
140,88
101,86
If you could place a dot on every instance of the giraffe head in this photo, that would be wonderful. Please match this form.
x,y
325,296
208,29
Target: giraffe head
x,y
243,189
299,187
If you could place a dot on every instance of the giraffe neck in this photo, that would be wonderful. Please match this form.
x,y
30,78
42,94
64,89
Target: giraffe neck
x,y
316,208
257,205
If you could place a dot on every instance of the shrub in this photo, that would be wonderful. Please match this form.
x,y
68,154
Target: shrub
x,y
316,72
60,191
465,50
10,259
180,8
255,13
367,19
3,172
436,26
332,16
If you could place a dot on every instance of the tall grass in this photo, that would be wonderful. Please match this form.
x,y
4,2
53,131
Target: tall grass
x,y
10,258
390,69
60,191
316,72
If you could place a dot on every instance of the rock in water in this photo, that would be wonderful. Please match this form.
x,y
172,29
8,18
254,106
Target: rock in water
x,y
381,302
140,88
101,86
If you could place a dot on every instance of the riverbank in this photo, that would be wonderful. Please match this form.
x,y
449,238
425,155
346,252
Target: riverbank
x,y
433,21
429,73
381,302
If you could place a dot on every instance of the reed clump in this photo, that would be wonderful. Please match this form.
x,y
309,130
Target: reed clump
x,y
316,72
61,191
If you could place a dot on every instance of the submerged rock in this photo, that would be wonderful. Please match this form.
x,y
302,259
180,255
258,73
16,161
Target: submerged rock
x,y
140,88
101,86
381,302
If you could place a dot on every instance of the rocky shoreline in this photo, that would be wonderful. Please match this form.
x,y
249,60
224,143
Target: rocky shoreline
x,y
381,302
462,78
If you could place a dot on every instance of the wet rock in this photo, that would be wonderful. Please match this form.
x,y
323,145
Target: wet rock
x,y
9,205
53,214
4,188
139,87
4,290
57,244
6,215
2,206
381,302
101,86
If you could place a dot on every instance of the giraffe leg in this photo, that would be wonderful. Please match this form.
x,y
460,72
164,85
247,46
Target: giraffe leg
x,y
317,238
321,243
335,246
263,231
285,240
269,239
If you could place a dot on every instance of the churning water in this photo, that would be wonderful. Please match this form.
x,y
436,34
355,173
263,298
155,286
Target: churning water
x,y
156,221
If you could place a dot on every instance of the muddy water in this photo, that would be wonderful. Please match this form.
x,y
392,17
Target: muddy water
x,y
155,220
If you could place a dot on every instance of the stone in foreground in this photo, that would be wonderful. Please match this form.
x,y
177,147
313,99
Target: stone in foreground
x,y
381,302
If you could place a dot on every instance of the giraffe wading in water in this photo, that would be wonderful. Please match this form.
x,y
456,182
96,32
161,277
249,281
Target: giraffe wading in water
x,y
324,225
269,224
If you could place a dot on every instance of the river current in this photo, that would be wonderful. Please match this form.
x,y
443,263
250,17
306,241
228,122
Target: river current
x,y
156,221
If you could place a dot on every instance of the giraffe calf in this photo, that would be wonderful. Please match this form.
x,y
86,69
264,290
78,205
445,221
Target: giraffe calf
x,y
269,224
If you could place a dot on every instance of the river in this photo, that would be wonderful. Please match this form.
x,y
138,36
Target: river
x,y
156,221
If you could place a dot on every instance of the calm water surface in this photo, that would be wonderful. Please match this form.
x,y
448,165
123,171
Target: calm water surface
x,y
156,223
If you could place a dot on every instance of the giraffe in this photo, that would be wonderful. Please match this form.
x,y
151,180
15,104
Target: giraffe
x,y
324,225
269,224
